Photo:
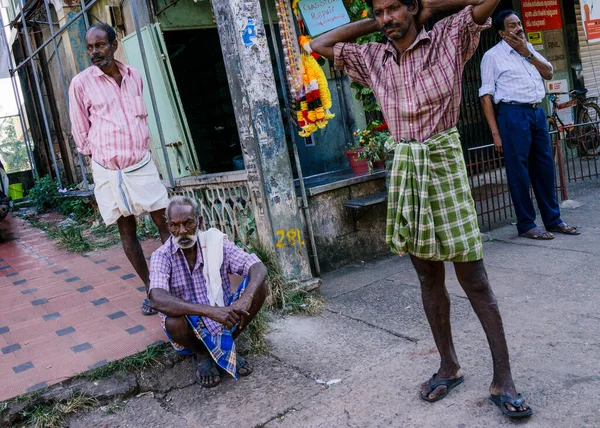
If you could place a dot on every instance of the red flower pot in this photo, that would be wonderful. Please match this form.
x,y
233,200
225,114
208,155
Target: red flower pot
x,y
359,167
379,165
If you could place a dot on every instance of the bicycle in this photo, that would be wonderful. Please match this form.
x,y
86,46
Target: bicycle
x,y
585,133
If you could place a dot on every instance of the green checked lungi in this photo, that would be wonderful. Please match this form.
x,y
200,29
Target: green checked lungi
x,y
431,213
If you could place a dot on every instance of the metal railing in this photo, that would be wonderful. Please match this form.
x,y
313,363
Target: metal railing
x,y
578,159
489,185
580,147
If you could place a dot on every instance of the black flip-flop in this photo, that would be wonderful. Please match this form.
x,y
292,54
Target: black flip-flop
x,y
205,367
450,384
502,400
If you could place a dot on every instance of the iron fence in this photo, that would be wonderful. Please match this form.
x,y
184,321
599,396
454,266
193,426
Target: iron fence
x,y
580,146
576,157
489,186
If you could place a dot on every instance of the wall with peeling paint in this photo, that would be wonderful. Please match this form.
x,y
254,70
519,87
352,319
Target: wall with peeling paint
x,y
190,15
340,239
260,126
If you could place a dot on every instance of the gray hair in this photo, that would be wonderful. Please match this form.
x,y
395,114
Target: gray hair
x,y
111,34
182,200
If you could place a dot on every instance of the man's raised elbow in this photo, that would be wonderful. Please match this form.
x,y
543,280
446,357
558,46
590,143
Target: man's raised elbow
x,y
319,47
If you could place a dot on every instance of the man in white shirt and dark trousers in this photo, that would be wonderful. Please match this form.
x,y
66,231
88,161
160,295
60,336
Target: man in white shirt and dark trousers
x,y
511,74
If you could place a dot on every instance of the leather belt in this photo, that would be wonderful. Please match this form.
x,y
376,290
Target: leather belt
x,y
513,103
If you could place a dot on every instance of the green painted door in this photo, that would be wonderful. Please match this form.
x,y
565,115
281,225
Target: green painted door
x,y
180,148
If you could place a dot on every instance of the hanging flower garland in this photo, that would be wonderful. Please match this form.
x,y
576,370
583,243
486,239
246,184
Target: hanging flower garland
x,y
313,109
306,81
293,64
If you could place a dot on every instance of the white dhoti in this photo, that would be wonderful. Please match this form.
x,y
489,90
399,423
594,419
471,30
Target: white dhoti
x,y
135,190
4,181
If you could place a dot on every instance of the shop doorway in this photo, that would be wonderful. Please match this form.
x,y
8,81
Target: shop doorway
x,y
197,63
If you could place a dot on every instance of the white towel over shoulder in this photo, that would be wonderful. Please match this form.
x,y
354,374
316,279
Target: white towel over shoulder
x,y
211,243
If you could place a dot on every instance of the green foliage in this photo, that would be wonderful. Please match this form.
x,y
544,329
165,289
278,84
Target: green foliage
x,y
146,228
54,413
358,9
372,142
282,295
247,227
366,96
76,207
137,362
44,194
113,408
12,150
71,238
254,333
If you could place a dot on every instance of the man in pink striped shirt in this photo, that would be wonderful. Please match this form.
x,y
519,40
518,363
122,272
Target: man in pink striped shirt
x,y
109,123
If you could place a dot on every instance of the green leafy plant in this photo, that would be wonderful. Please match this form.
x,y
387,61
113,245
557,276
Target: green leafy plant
x,y
143,360
71,238
44,194
371,142
55,413
366,96
76,207
146,228
358,9
12,149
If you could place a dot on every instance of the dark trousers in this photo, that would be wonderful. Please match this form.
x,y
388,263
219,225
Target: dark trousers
x,y
528,160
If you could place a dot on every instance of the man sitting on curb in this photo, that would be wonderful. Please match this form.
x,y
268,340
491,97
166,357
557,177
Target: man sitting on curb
x,y
190,287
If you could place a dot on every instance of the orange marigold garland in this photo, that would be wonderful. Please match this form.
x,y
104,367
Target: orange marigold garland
x,y
306,80
313,109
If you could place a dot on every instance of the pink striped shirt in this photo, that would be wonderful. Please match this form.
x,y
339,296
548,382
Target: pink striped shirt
x,y
420,93
109,122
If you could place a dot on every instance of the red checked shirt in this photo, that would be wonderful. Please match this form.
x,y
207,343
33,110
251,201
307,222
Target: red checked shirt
x,y
169,270
109,122
420,93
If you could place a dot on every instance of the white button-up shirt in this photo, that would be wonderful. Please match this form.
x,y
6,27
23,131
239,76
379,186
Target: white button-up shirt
x,y
509,77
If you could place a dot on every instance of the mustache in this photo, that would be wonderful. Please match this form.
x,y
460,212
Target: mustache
x,y
189,237
389,26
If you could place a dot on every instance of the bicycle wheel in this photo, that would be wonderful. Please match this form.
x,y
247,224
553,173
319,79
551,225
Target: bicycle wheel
x,y
588,134
569,136
553,130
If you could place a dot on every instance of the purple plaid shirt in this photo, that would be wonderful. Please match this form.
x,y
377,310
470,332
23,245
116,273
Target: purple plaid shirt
x,y
169,271
419,93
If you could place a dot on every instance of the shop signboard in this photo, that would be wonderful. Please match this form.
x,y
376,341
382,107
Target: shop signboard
x,y
541,15
555,50
321,16
535,38
590,11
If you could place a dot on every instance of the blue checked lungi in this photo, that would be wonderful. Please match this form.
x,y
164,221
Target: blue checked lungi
x,y
220,346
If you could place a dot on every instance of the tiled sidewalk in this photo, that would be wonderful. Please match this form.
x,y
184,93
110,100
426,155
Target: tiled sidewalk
x,y
62,314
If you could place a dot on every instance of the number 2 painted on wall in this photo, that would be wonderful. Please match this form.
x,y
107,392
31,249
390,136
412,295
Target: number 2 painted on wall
x,y
289,238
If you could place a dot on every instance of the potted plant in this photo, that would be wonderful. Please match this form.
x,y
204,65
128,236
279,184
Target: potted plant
x,y
367,152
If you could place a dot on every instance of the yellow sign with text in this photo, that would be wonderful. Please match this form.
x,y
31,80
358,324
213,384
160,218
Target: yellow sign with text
x,y
535,38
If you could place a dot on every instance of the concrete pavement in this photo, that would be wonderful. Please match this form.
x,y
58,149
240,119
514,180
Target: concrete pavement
x,y
373,345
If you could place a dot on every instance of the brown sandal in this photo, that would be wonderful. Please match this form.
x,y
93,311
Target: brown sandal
x,y
537,233
564,229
